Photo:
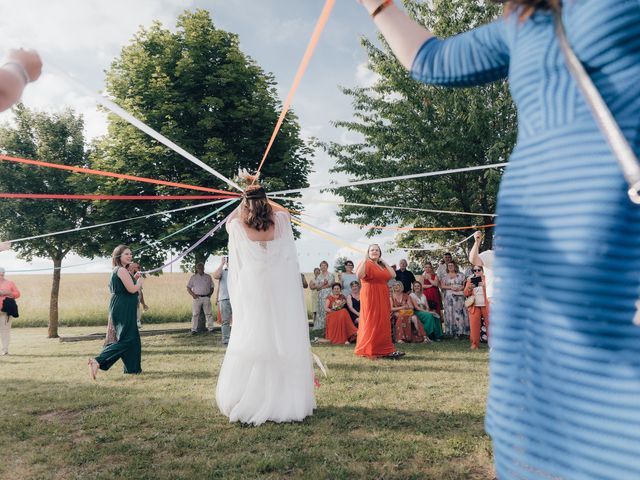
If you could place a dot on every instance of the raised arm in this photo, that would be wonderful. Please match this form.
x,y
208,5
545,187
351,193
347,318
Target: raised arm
x,y
474,253
478,56
20,68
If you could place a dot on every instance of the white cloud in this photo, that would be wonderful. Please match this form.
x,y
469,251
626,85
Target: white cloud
x,y
365,77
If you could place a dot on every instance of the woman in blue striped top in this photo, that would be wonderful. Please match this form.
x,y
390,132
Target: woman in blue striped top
x,y
564,394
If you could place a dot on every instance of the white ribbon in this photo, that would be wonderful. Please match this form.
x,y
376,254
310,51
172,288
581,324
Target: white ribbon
x,y
336,202
390,179
88,227
115,108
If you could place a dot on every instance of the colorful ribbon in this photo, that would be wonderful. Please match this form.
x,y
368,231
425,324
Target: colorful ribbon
x,y
322,21
102,173
56,196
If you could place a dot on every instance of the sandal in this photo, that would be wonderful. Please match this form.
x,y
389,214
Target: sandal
x,y
397,355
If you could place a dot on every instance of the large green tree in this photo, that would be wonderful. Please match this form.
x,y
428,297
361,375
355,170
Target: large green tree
x,y
195,86
55,138
407,127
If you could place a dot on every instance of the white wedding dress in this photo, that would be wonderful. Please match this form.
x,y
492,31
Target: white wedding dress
x,y
267,372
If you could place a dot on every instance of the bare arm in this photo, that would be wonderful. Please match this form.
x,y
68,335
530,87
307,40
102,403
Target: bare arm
x,y
327,305
404,35
474,253
21,67
128,282
361,269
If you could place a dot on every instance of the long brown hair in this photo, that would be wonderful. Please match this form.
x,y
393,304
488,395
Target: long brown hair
x,y
526,7
117,253
255,211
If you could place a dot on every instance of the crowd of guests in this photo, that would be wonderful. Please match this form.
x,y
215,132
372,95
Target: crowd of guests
x,y
444,302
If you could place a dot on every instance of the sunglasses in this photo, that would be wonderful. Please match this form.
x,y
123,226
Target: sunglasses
x,y
477,270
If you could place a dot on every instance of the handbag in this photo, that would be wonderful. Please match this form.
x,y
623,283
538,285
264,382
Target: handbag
x,y
623,152
469,301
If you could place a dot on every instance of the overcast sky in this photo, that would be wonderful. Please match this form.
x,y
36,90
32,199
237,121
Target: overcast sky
x,y
82,37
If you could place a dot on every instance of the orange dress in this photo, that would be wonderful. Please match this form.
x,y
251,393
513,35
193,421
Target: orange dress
x,y
374,328
340,328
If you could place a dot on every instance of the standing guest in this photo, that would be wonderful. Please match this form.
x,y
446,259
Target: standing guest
x,y
442,267
323,285
123,312
8,290
347,277
20,68
430,320
456,317
405,324
134,268
200,287
340,328
314,294
485,260
224,302
392,280
564,389
374,329
405,276
475,288
431,288
353,302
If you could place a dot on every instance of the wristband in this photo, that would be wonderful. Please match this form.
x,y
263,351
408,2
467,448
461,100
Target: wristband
x,y
19,69
381,7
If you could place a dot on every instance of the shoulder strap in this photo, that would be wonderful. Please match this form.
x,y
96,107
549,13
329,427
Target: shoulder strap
x,y
622,150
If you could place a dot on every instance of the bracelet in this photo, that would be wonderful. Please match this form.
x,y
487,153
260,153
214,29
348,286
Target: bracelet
x,y
19,69
381,7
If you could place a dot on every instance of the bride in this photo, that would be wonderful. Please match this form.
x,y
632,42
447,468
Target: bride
x,y
267,372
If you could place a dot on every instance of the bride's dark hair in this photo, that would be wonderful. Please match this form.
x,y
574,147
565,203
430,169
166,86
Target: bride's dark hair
x,y
256,212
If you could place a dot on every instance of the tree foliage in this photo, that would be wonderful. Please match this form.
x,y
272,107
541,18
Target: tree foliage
x,y
196,87
407,127
55,138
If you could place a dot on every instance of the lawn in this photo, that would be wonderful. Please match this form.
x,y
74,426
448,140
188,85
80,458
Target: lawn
x,y
419,418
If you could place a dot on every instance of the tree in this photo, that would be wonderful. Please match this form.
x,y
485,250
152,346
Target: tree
x,y
56,138
338,265
196,87
408,127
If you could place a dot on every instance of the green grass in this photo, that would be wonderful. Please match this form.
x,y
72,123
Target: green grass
x,y
419,418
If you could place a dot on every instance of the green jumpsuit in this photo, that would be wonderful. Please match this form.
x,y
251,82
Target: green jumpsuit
x,y
123,311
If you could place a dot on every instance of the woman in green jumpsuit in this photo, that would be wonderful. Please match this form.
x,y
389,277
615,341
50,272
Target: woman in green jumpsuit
x,y
123,312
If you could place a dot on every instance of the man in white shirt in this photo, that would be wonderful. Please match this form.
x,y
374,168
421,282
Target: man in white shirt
x,y
200,287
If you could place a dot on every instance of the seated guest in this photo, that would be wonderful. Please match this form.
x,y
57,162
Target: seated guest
x,y
430,320
405,276
353,302
406,325
347,277
340,328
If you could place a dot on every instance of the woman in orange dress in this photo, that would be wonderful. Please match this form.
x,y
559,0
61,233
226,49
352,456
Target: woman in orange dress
x,y
374,328
340,328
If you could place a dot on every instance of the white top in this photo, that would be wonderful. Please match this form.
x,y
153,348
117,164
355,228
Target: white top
x,y
488,258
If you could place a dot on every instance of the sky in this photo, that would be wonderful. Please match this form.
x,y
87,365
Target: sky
x,y
82,37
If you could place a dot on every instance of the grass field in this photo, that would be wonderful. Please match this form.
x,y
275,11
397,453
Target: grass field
x,y
419,418
84,299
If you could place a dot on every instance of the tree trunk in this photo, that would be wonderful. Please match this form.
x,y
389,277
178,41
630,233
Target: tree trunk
x,y
53,304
